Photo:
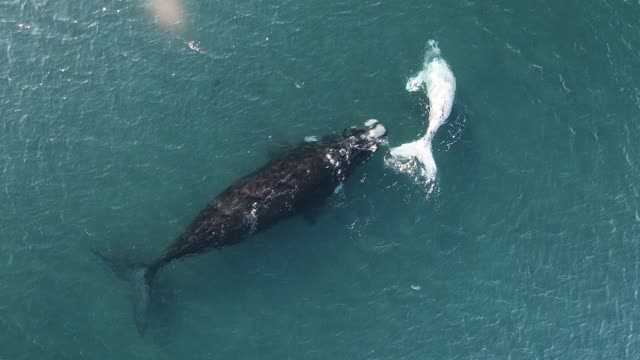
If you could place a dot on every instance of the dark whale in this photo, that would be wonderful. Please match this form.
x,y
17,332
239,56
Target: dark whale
x,y
297,181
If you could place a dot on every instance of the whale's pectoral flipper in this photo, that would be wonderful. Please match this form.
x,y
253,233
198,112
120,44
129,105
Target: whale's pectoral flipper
x,y
135,274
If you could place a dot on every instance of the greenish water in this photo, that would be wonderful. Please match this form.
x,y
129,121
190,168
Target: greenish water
x,y
114,133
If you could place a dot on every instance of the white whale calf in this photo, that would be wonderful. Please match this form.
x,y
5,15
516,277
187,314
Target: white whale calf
x,y
436,76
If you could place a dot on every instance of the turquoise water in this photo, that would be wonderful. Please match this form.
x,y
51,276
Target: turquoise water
x,y
114,132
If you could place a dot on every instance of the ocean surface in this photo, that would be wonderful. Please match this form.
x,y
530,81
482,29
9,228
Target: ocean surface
x,y
116,130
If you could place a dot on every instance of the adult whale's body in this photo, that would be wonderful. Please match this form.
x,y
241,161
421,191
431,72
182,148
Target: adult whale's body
x,y
300,179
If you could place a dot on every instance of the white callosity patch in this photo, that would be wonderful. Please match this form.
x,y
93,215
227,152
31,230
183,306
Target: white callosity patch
x,y
377,132
339,158
417,157
332,160
370,122
374,134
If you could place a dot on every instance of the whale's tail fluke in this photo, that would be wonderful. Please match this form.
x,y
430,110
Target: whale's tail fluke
x,y
415,156
139,277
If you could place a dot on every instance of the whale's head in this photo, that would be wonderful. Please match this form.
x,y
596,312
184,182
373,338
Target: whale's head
x,y
354,146
365,140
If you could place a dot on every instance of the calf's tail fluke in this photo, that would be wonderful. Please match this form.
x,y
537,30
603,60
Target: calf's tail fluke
x,y
415,157
139,277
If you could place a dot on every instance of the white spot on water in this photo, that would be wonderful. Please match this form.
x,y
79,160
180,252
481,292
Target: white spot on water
x,y
564,84
195,46
536,66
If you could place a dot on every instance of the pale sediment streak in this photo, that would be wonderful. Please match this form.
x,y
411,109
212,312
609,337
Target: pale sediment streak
x,y
168,13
